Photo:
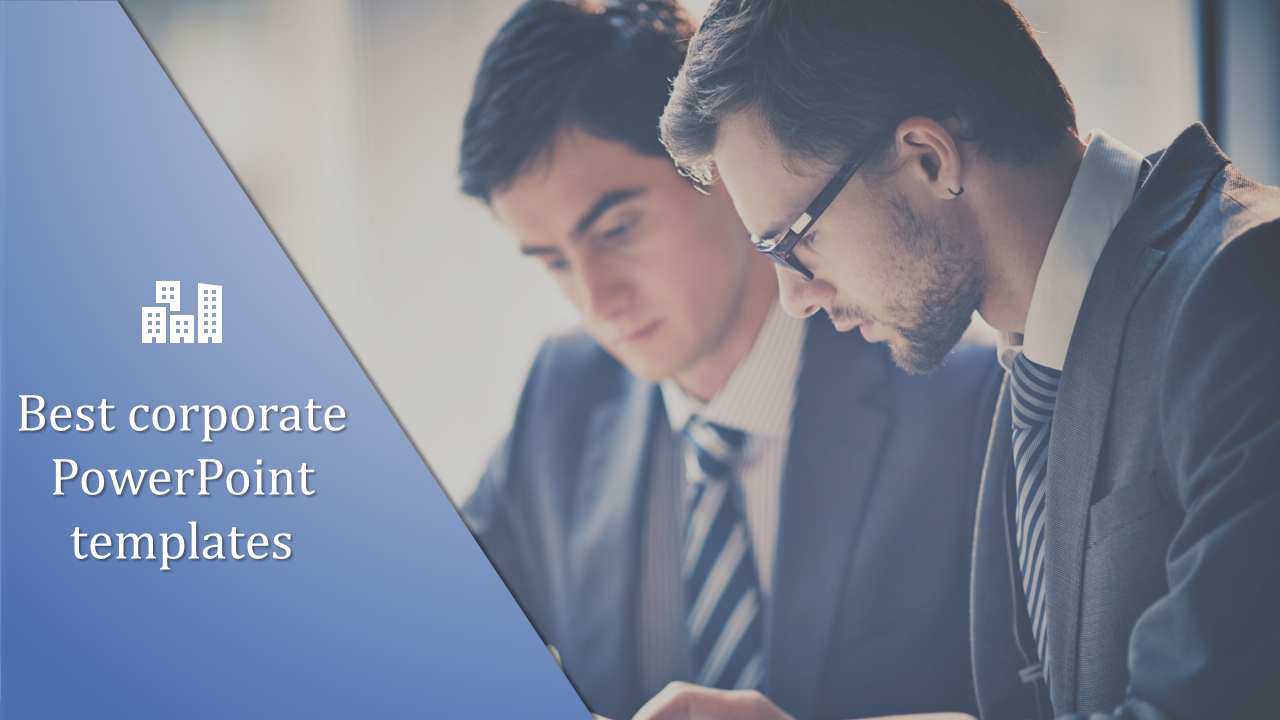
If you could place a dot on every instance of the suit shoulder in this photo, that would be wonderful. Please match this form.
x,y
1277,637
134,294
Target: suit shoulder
x,y
970,359
570,378
1251,233
572,366
969,371
963,391
1233,208
1237,280
1210,263
1246,203
1233,234
575,344
966,371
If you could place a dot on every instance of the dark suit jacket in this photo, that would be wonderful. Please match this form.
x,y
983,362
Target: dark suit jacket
x,y
870,591
1162,563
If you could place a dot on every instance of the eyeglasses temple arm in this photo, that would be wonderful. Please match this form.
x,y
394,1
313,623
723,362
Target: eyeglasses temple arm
x,y
829,193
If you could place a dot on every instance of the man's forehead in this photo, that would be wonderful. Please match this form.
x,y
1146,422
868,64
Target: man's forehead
x,y
578,179
767,192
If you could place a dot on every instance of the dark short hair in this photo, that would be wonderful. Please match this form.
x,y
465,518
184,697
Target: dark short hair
x,y
606,70
833,78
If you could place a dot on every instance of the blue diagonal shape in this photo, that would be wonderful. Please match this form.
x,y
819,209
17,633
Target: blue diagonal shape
x,y
385,608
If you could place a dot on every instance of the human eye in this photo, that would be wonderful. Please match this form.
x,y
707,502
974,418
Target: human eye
x,y
617,233
618,229
556,264
808,239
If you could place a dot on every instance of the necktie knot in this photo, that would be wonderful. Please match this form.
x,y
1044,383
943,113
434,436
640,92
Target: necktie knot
x,y
1035,390
712,449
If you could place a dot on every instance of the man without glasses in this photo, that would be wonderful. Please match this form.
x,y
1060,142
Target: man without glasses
x,y
906,162
701,488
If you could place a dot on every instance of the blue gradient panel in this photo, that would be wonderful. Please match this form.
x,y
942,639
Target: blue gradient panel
x,y
385,608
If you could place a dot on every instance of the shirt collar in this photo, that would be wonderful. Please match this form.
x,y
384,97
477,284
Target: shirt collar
x,y
760,393
1100,194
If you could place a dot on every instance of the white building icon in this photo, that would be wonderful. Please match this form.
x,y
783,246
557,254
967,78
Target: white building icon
x,y
153,324
160,324
181,329
169,292
210,317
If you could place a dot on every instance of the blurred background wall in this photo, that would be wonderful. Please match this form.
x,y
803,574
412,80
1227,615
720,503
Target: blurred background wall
x,y
341,119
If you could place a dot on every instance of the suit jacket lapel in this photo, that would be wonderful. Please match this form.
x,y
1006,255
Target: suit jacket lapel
x,y
1088,379
607,530
835,441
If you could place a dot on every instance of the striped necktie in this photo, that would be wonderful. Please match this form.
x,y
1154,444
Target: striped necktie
x,y
722,596
1035,390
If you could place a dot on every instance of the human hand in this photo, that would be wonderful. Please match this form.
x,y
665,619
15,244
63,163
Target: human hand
x,y
682,701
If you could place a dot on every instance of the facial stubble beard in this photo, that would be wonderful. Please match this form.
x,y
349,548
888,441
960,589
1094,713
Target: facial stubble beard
x,y
932,315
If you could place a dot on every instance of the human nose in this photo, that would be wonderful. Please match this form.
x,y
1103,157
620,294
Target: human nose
x,y
605,291
801,298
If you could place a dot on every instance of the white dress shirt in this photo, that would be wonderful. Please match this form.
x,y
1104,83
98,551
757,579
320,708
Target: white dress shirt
x,y
1100,195
758,399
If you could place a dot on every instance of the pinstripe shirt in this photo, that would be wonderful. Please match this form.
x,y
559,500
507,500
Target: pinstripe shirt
x,y
757,399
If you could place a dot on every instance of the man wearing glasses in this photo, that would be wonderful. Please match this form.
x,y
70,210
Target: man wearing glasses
x,y
699,487
1127,553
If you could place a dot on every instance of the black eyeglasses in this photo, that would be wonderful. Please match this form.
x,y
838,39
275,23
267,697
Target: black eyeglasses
x,y
779,248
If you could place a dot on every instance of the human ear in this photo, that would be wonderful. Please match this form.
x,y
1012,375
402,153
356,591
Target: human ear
x,y
930,157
